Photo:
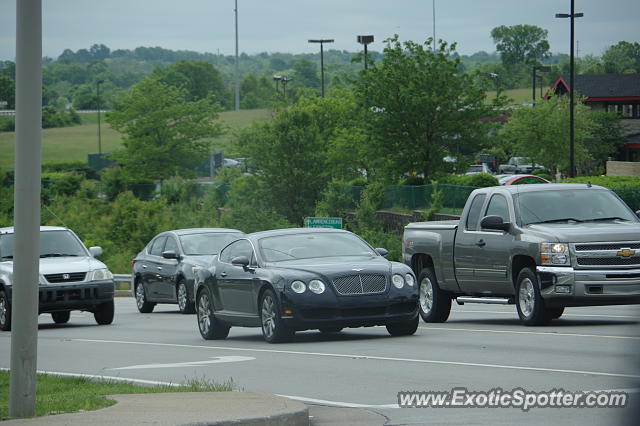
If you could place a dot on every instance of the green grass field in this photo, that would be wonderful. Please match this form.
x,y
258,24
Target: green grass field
x,y
518,95
74,143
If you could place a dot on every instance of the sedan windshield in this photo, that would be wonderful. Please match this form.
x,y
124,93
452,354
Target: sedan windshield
x,y
582,205
313,245
52,244
206,243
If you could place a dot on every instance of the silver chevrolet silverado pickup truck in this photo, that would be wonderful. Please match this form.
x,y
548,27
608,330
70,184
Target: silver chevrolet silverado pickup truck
x,y
541,247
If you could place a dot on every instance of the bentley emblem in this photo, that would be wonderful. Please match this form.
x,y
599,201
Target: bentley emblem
x,y
625,252
65,276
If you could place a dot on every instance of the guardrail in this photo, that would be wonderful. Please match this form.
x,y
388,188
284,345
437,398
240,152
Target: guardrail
x,y
121,278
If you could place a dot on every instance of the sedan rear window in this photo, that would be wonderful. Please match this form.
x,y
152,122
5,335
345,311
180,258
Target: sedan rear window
x,y
313,245
206,243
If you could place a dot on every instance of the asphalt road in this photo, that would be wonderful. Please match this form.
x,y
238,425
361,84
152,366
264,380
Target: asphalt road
x,y
481,347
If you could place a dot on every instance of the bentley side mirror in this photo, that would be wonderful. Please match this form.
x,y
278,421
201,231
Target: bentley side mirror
x,y
242,261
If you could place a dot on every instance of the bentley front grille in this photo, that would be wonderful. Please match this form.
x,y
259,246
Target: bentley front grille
x,y
360,284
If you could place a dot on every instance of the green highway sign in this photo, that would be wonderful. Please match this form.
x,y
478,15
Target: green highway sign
x,y
323,222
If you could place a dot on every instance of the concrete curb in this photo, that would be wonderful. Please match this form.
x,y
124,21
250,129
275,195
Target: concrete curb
x,y
186,408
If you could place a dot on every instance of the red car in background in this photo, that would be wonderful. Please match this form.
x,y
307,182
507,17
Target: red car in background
x,y
520,179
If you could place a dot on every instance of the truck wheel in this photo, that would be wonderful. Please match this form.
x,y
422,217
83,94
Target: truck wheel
x,y
185,306
61,317
141,299
529,303
104,313
435,305
210,327
5,312
406,328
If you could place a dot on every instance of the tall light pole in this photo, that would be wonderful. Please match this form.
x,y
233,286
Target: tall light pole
x,y
98,83
572,15
322,41
24,303
434,26
365,40
237,63
541,68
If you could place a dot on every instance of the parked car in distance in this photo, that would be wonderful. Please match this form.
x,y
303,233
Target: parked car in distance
x,y
230,162
475,169
290,280
518,165
541,247
520,179
70,278
163,270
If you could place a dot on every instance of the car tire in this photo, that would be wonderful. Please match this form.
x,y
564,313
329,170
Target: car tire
x,y
529,303
5,312
61,317
141,299
210,327
406,328
555,313
328,330
185,306
104,314
434,304
273,328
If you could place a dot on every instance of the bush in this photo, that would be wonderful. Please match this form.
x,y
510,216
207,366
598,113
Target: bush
x,y
61,183
7,124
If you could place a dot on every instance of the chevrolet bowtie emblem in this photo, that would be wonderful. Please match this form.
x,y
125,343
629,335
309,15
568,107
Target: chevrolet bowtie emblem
x,y
626,253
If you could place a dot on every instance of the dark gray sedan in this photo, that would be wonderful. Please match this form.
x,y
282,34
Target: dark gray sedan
x,y
163,270
298,279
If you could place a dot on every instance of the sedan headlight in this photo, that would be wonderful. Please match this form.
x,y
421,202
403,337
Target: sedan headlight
x,y
408,278
398,281
554,254
316,286
101,275
298,287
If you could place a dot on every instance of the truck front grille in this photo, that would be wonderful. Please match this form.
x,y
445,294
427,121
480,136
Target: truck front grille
x,y
609,261
616,255
69,277
360,284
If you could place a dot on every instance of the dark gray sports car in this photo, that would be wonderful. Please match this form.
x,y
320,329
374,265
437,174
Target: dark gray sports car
x,y
298,279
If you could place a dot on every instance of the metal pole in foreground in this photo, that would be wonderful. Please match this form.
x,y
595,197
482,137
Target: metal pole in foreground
x,y
24,337
237,63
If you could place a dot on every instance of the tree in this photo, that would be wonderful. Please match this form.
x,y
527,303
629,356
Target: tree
x,y
421,108
199,79
542,133
623,57
163,133
521,44
7,91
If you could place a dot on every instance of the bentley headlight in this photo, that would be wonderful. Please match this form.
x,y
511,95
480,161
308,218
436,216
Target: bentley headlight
x,y
408,278
554,254
101,275
397,280
298,287
316,286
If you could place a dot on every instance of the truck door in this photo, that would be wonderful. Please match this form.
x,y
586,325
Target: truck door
x,y
491,257
465,245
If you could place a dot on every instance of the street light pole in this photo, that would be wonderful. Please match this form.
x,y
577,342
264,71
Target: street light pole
x,y
237,63
572,15
98,83
365,40
322,41
542,68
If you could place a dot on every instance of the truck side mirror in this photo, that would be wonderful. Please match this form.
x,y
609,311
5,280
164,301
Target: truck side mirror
x,y
494,222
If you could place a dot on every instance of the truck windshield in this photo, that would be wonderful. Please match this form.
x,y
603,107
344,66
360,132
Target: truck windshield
x,y
582,205
52,244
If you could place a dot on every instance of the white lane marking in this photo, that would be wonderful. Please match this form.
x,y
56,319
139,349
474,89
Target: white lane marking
x,y
538,333
106,378
214,360
513,311
377,358
337,403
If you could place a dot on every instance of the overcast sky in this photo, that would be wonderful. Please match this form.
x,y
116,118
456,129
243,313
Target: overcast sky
x,y
286,25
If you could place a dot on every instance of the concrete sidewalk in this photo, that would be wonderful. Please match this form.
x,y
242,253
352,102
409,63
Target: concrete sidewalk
x,y
185,408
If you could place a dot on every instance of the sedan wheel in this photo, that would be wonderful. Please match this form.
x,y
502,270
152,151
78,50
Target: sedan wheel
x,y
141,299
273,329
210,327
184,305
406,328
5,312
435,305
61,317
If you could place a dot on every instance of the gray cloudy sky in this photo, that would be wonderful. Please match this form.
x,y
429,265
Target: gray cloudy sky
x,y
286,25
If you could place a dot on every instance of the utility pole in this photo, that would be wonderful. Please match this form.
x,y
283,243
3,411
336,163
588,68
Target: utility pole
x,y
24,298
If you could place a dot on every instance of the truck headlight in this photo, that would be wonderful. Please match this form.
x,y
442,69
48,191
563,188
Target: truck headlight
x,y
101,275
554,254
